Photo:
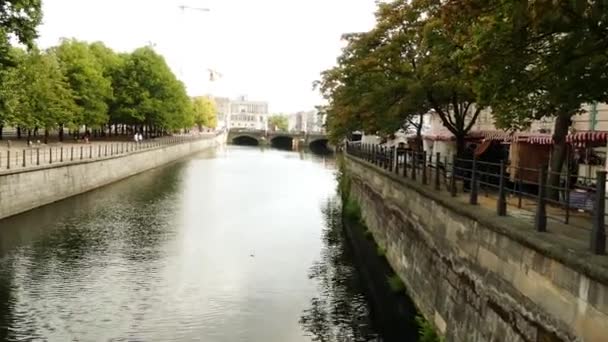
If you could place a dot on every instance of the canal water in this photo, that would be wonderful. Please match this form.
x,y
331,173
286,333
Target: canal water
x,y
238,244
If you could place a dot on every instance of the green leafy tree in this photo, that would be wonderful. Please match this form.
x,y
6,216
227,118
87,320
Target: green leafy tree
x,y
389,77
18,19
147,94
205,112
535,59
85,75
44,98
278,123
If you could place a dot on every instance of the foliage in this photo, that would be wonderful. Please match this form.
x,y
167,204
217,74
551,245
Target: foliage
x,y
147,92
426,331
18,19
399,70
205,112
535,59
279,122
85,75
395,283
35,93
381,251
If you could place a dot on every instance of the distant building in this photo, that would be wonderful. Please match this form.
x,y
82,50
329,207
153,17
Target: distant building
x,y
309,122
242,113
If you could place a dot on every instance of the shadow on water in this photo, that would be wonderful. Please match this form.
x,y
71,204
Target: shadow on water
x,y
356,302
340,313
245,141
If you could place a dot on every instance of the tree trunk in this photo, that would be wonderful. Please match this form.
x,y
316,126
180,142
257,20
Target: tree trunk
x,y
18,132
1,130
29,136
61,132
558,154
46,135
460,145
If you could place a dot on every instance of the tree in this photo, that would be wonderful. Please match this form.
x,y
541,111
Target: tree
x,y
535,59
205,112
18,19
278,122
147,93
44,97
85,75
390,76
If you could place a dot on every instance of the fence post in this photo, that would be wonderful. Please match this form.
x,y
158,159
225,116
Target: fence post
x,y
72,153
61,155
598,231
453,177
81,153
23,158
8,159
501,204
540,220
424,175
51,155
437,171
37,156
414,164
397,153
473,198
90,151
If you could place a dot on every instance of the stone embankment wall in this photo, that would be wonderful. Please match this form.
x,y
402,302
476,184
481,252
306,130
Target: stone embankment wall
x,y
23,190
479,277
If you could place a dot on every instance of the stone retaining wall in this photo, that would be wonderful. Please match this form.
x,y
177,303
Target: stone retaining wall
x,y
23,190
479,277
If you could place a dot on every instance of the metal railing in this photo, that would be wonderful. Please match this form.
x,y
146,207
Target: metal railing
x,y
515,191
14,158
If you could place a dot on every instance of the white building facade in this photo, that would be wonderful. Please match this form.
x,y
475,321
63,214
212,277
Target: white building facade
x,y
242,113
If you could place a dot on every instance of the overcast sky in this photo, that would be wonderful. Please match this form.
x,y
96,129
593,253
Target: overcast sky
x,y
267,49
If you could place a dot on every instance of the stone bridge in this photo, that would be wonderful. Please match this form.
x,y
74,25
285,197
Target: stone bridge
x,y
287,140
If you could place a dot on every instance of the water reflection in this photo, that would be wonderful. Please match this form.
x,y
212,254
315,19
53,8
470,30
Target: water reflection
x,y
214,248
339,312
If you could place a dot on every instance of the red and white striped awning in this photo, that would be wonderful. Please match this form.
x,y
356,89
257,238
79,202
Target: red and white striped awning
x,y
587,137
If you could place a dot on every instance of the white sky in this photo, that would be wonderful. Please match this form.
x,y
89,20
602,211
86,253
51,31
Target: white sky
x,y
270,50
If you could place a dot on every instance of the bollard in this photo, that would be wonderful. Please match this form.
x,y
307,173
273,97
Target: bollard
x,y
501,203
61,155
8,159
23,159
424,175
90,151
37,156
473,198
51,155
453,177
437,171
72,153
598,231
81,154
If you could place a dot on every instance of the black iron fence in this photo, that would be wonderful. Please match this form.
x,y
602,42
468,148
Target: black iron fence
x,y
517,191
12,158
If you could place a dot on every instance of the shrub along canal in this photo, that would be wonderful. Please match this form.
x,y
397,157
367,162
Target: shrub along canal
x,y
238,244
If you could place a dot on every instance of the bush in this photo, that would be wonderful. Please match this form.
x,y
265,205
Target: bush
x,y
395,283
426,331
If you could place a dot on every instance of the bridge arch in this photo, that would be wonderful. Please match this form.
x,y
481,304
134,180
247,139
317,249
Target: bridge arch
x,y
283,142
245,140
319,145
